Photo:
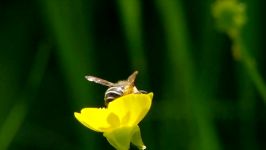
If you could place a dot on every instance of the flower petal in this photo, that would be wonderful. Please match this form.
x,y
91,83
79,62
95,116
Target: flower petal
x,y
120,138
95,118
132,108
136,138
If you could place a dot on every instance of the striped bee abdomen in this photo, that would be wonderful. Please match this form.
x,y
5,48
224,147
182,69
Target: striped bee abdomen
x,y
113,93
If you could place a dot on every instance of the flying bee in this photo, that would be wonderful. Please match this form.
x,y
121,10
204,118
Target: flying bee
x,y
118,89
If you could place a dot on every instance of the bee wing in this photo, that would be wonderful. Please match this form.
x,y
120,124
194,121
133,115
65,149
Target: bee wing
x,y
132,77
99,81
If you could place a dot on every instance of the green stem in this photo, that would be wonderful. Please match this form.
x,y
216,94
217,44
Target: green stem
x,y
179,54
17,114
250,66
130,14
75,53
11,125
255,76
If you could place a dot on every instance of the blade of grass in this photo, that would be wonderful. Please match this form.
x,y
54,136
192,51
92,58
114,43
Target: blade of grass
x,y
19,111
11,125
130,14
74,50
179,56
68,24
211,59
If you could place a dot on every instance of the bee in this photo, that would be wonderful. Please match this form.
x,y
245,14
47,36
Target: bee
x,y
118,89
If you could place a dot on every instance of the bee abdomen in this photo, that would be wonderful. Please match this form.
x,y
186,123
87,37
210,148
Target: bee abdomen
x,y
113,93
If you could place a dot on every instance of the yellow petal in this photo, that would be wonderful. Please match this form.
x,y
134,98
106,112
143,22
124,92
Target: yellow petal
x,y
136,138
96,119
120,138
132,108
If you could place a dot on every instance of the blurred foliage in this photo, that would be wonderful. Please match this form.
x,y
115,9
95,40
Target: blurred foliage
x,y
229,14
203,98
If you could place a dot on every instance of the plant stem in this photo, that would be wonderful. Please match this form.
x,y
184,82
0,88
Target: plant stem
x,y
11,125
18,112
250,66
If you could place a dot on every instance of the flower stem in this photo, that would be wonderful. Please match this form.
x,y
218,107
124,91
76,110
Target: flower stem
x,y
250,65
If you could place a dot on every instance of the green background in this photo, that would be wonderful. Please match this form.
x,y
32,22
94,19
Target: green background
x,y
203,98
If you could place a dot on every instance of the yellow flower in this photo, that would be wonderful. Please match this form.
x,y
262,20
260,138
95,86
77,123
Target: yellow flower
x,y
119,121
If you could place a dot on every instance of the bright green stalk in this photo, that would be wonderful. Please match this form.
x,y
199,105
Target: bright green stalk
x,y
184,70
209,56
130,11
74,51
